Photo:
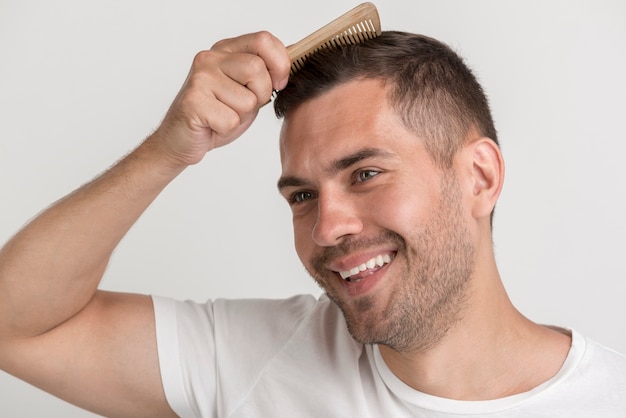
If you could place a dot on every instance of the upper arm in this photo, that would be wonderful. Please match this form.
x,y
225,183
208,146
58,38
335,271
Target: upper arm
x,y
104,359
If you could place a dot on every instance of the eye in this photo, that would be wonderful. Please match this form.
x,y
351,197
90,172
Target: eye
x,y
300,196
365,175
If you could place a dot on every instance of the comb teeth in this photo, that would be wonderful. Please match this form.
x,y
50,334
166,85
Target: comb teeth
x,y
356,34
353,27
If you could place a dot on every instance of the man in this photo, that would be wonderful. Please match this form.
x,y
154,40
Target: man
x,y
392,170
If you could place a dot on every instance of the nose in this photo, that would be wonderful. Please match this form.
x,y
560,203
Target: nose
x,y
337,218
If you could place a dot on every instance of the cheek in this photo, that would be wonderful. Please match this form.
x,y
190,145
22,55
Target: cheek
x,y
302,239
401,209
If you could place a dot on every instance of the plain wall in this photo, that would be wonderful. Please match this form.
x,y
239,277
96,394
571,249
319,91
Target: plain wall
x,y
83,82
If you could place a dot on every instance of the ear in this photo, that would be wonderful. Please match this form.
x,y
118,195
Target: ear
x,y
486,175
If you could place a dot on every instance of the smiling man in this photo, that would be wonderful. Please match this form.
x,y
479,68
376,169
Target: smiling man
x,y
392,169
376,222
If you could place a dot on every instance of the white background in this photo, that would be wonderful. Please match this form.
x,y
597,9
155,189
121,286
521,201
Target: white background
x,y
82,82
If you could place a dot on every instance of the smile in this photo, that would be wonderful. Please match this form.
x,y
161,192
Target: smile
x,y
357,273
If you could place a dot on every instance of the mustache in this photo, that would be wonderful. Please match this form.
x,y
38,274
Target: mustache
x,y
350,245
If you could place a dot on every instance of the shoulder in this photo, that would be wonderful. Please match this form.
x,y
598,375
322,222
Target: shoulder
x,y
234,344
600,359
597,374
234,309
276,322
237,321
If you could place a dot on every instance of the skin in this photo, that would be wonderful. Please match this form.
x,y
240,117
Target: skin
x,y
97,349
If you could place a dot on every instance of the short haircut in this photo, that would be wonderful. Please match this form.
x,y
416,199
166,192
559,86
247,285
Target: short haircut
x,y
430,87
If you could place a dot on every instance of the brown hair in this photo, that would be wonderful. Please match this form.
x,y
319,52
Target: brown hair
x,y
434,92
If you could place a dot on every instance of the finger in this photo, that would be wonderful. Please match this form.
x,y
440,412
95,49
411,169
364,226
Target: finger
x,y
221,107
240,80
251,74
269,48
225,121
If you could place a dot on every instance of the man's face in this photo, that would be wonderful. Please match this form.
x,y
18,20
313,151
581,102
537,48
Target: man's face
x,y
376,223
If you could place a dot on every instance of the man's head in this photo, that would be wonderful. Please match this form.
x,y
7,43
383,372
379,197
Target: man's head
x,y
431,88
390,189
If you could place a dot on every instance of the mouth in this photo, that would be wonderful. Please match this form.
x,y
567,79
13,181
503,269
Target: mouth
x,y
358,273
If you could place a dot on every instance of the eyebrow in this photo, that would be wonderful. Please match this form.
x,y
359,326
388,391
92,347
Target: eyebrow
x,y
336,166
350,160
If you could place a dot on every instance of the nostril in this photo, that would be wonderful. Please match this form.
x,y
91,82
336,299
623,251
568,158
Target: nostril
x,y
331,230
337,217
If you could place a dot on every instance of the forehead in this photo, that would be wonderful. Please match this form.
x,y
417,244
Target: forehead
x,y
349,115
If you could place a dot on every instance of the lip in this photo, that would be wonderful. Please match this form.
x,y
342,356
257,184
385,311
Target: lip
x,y
370,280
354,260
366,284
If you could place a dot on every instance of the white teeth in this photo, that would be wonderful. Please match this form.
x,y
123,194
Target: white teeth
x,y
379,260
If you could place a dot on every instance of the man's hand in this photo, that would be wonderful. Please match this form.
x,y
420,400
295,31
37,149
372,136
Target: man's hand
x,y
222,95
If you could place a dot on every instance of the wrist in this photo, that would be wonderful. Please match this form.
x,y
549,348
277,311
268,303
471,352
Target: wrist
x,y
156,148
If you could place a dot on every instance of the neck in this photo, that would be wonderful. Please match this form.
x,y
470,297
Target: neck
x,y
480,357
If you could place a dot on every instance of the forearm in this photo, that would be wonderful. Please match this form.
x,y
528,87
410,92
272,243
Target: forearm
x,y
98,349
51,269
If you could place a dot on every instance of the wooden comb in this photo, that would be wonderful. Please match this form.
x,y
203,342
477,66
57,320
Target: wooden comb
x,y
353,27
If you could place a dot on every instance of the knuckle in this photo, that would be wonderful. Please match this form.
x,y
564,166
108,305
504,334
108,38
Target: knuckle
x,y
256,65
249,101
191,99
232,123
228,122
221,44
264,38
202,58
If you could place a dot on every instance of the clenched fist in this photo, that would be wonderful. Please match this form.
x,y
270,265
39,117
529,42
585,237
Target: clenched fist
x,y
222,94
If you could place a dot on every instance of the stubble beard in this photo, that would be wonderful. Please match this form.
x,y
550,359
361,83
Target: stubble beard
x,y
432,294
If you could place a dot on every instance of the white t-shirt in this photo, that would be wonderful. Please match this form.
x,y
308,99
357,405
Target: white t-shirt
x,y
295,358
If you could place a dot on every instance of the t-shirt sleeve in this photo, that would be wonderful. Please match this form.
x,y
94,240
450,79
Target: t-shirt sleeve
x,y
211,354
186,350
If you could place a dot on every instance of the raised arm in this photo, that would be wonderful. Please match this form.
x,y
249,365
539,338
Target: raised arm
x,y
57,331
